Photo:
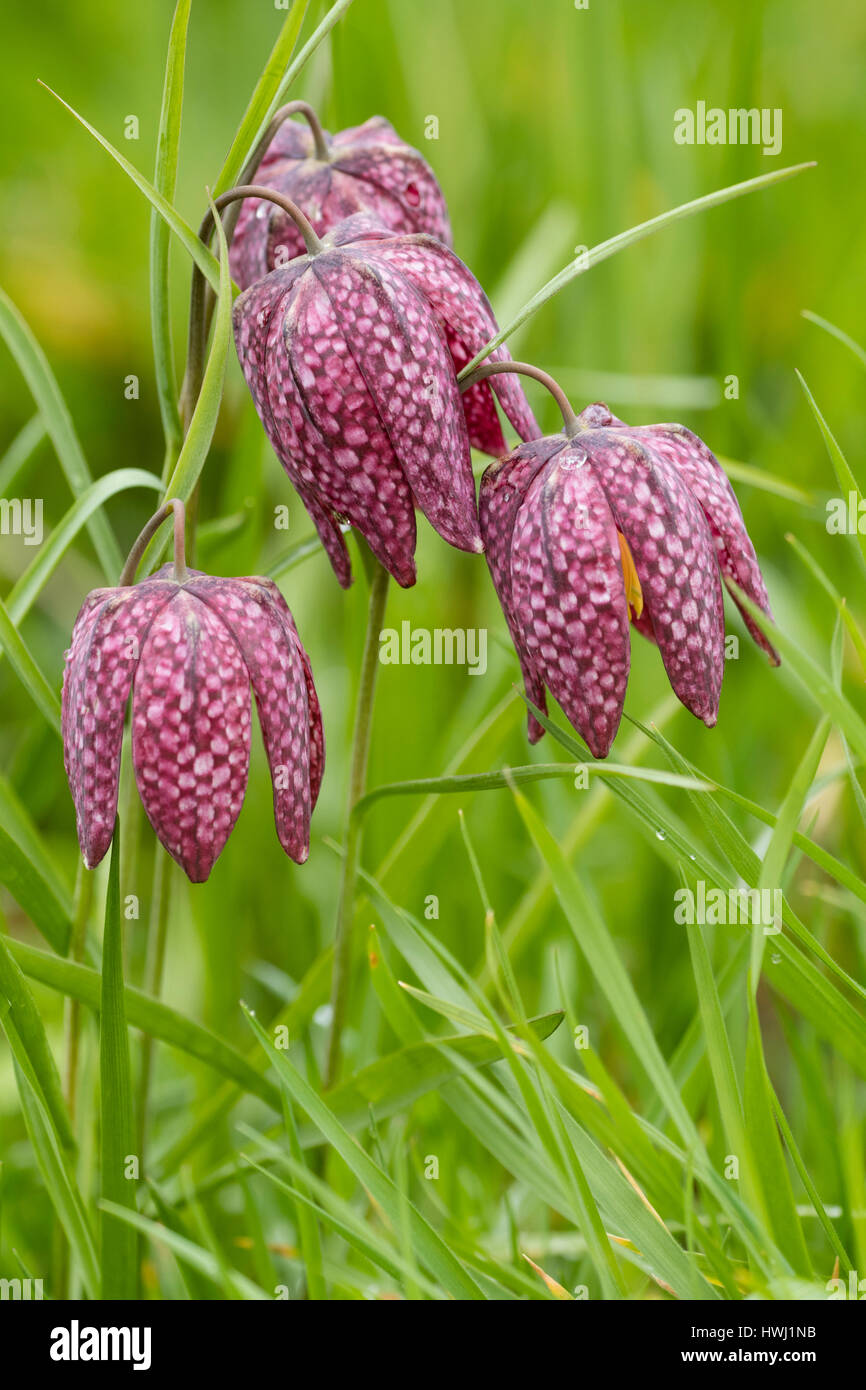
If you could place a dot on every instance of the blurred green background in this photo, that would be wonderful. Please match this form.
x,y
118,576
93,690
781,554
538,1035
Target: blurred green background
x,y
555,130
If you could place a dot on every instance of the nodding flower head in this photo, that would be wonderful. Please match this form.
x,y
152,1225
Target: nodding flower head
x,y
189,646
367,168
351,353
605,524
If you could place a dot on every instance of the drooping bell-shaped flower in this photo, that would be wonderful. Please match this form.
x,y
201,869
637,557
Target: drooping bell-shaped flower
x,y
351,353
367,168
603,524
188,646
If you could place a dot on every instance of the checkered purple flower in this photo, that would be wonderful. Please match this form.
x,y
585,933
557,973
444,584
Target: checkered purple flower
x,y
605,523
189,652
367,168
351,353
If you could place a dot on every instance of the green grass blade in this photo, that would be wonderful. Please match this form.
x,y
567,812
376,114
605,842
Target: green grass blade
x,y
430,1247
42,384
185,234
845,478
309,1238
843,337
767,1148
24,665
318,36
27,1021
165,182
31,583
608,248
815,680
153,1017
263,99
54,1165
534,772
854,632
29,873
184,1249
119,1247
20,452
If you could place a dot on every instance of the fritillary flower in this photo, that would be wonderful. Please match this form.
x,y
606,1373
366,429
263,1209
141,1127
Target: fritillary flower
x,y
603,525
367,168
189,646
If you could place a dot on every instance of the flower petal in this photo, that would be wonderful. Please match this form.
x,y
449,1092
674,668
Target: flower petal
x,y
399,351
464,309
346,456
255,613
708,481
191,731
503,488
675,559
264,360
100,665
569,596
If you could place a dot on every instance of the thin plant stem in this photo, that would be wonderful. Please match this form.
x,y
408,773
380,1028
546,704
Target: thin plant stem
x,y
83,900
200,297
157,931
148,532
569,419
353,823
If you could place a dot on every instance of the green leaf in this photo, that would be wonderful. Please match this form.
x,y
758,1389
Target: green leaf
x,y
30,874
33,365
54,1163
31,583
24,665
117,1140
767,1148
187,1250
605,249
845,478
857,637
150,1015
20,451
429,1246
766,482
196,445
534,772
27,1021
203,258
777,851
858,351
165,182
308,1227
263,100
816,681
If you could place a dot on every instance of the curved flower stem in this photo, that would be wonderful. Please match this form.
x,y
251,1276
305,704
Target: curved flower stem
x,y
127,576
201,295
353,825
569,419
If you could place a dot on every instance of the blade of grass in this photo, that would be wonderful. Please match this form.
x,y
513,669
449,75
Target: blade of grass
x,y
843,337
845,478
150,1015
185,234
24,665
308,1227
55,1166
184,1249
263,99
23,1014
42,384
29,586
20,451
119,1247
165,182
586,259
431,1249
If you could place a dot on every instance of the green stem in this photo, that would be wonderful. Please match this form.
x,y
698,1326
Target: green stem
x,y
486,369
353,824
157,931
149,531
